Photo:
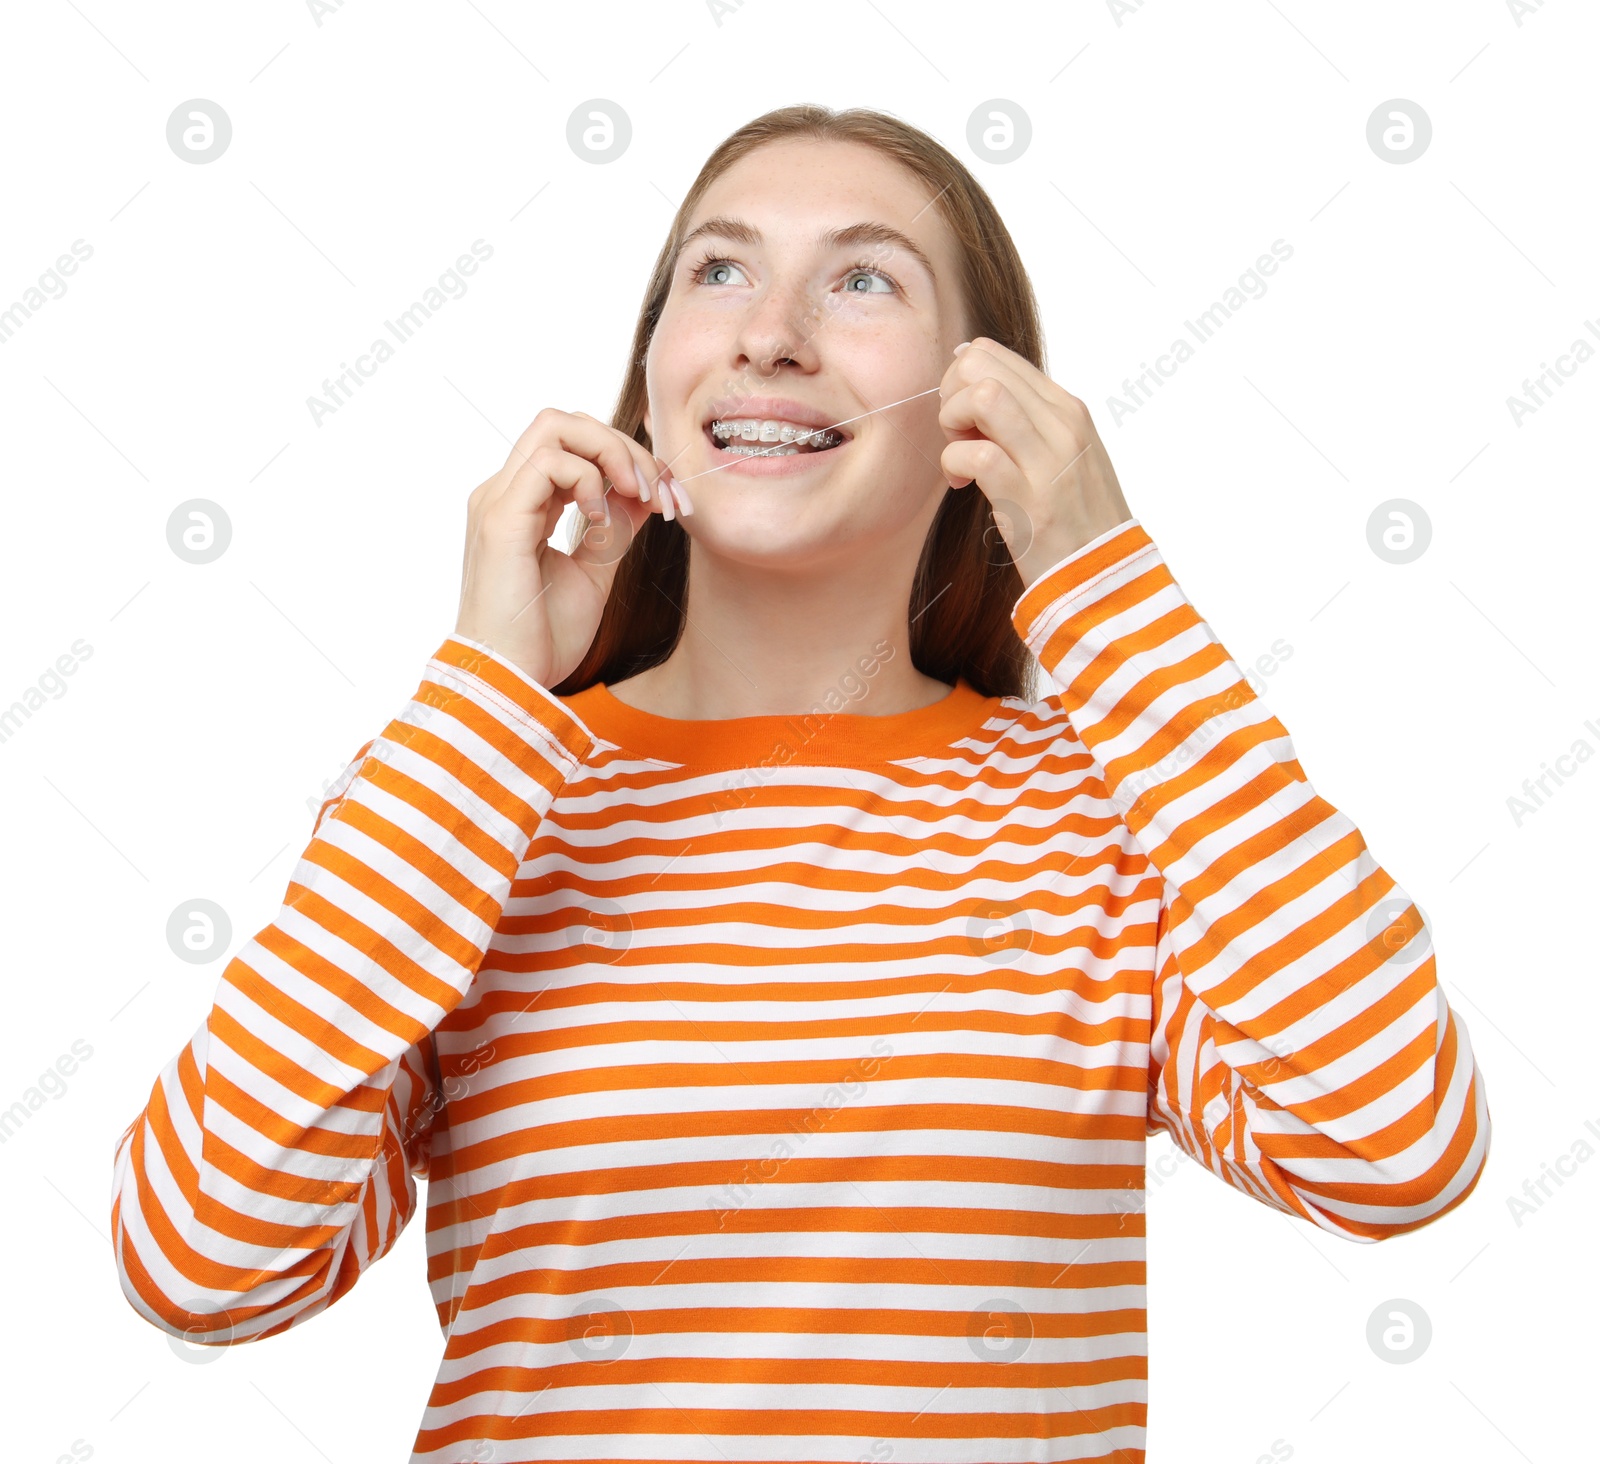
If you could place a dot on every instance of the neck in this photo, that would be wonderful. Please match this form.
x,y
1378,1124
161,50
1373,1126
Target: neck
x,y
759,641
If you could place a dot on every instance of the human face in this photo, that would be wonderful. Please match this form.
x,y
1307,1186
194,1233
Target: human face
x,y
767,317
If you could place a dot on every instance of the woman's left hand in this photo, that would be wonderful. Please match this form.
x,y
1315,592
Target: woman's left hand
x,y
1030,446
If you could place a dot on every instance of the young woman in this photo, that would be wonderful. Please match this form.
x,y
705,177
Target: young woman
x,y
775,991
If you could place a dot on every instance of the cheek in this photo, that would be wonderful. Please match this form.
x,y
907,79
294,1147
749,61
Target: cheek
x,y
886,364
900,468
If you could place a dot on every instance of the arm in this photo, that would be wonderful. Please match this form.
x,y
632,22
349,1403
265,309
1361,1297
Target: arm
x,y
273,1162
1301,1047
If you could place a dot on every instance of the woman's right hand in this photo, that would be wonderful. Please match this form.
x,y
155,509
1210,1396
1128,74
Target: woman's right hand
x,y
520,595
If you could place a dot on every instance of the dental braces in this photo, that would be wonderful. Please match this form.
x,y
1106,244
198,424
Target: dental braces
x,y
739,430
781,448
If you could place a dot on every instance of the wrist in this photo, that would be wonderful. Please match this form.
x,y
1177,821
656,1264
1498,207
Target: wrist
x,y
1049,546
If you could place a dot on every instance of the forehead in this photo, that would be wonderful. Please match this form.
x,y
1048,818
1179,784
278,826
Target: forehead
x,y
793,188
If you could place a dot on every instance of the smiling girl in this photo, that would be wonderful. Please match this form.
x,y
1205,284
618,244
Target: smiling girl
x,y
776,991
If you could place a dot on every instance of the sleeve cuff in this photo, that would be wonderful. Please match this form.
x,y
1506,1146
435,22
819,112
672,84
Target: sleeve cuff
x,y
521,741
1084,575
517,691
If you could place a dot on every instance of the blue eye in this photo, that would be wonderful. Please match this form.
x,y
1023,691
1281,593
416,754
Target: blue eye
x,y
706,271
714,270
868,274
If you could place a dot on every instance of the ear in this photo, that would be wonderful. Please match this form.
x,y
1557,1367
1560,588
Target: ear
x,y
647,427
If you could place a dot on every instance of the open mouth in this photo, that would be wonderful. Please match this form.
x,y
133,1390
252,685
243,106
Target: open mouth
x,y
771,437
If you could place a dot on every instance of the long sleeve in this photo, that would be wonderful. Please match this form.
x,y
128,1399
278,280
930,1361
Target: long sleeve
x,y
273,1162
1301,1046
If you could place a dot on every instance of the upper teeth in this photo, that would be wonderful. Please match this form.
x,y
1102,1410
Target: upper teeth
x,y
771,429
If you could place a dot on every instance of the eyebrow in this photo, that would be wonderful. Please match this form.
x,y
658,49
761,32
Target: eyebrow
x,y
866,232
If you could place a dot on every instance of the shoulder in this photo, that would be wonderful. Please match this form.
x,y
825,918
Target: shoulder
x,y
1021,731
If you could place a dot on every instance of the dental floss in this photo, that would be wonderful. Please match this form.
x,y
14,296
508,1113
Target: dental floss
x,y
768,451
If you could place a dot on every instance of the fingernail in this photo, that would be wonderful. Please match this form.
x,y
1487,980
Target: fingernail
x,y
644,484
682,495
959,349
666,495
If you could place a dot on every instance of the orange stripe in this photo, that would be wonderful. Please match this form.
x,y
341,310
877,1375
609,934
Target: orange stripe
x,y
839,1031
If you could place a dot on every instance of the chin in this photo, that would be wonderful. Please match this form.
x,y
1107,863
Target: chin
x,y
733,528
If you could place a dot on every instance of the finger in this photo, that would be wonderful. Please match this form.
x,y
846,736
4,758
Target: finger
x,y
983,461
657,475
977,363
660,483
990,407
650,475
584,437
552,478
982,359
640,481
524,505
603,541
953,379
1025,372
601,546
635,506
1063,422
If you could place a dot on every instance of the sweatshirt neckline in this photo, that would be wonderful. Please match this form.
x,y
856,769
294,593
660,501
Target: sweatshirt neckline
x,y
811,738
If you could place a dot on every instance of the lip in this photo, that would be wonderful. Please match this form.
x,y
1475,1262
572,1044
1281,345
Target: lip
x,y
771,465
783,408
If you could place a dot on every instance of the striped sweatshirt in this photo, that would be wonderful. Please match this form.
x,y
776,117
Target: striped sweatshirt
x,y
782,1084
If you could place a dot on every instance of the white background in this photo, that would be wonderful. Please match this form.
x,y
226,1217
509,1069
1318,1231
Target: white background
x,y
1169,150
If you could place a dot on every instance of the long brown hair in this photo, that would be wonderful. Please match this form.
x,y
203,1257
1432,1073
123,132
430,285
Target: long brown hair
x,y
959,615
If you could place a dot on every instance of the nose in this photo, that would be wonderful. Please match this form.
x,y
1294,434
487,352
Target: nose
x,y
777,331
